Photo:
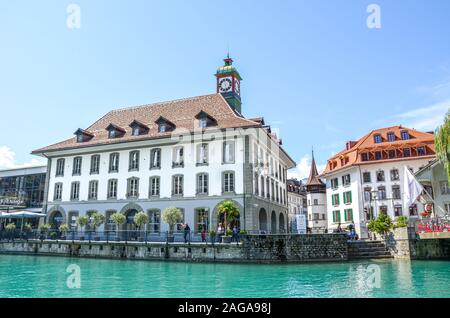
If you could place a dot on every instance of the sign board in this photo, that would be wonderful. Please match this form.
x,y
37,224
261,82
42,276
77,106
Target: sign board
x,y
301,223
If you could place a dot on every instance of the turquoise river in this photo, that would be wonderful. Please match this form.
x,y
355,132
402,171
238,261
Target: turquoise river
x,y
40,276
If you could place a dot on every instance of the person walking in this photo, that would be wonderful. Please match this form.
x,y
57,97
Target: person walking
x,y
235,236
187,231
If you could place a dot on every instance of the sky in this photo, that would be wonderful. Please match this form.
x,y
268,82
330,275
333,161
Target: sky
x,y
315,70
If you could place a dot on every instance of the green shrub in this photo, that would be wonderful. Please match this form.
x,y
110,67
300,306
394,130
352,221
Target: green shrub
x,y
229,232
64,228
243,232
212,233
10,227
381,225
45,227
401,221
172,216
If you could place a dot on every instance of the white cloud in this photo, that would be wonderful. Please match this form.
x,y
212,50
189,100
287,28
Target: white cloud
x,y
7,160
301,171
424,118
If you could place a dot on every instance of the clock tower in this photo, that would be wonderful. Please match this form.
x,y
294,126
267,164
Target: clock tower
x,y
229,84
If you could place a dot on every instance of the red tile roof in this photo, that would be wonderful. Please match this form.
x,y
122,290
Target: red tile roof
x,y
180,112
352,154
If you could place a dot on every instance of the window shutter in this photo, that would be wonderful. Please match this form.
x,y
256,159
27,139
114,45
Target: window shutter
x,y
332,201
351,214
350,197
334,216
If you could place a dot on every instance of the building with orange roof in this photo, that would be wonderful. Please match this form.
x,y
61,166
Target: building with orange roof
x,y
191,153
365,178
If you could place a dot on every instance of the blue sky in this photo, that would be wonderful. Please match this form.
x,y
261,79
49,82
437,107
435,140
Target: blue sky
x,y
313,69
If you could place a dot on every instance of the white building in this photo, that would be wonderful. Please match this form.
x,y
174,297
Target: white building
x,y
191,153
316,201
297,202
366,178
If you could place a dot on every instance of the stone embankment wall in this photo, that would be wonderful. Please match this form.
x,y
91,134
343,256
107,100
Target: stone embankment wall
x,y
405,243
254,248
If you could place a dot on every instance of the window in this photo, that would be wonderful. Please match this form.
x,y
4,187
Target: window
x,y
377,139
346,180
381,193
262,186
407,152
133,188
177,185
378,155
380,176
316,202
202,183
136,130
134,161
155,158
80,138
93,190
268,188
367,177
60,167
75,191
405,135
228,181
178,155
178,226
391,136
272,187
95,164
112,189
447,207
57,196
76,169
109,224
421,151
396,192
72,220
364,157
112,134
228,152
202,122
202,154
336,216
201,219
444,187
367,194
162,127
395,176
347,197
154,217
335,199
154,186
392,154
398,210
334,183
383,209
348,215
114,162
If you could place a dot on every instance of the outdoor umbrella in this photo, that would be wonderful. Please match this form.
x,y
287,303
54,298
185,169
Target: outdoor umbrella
x,y
21,215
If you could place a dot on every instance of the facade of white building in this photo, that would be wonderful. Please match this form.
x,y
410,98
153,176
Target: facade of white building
x,y
297,202
367,177
191,154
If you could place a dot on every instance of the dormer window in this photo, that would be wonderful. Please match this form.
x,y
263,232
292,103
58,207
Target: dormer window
x,y
164,125
377,139
115,131
391,136
83,135
205,120
138,128
405,135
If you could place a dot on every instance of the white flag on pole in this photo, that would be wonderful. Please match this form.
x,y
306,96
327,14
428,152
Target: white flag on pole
x,y
411,187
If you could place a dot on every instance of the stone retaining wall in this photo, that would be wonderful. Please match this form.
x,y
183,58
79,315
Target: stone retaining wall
x,y
254,248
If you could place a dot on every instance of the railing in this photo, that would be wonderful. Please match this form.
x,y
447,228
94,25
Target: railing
x,y
113,236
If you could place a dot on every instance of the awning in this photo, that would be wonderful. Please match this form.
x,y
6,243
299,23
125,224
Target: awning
x,y
21,215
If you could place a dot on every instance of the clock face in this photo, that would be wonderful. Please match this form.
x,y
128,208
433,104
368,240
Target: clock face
x,y
225,85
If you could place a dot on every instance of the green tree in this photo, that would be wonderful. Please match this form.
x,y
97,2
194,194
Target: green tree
x,y
442,143
172,216
97,219
229,210
140,219
64,228
381,225
119,219
45,227
10,227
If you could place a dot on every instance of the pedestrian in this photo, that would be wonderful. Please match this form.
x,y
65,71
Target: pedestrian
x,y
235,236
203,233
187,231
219,232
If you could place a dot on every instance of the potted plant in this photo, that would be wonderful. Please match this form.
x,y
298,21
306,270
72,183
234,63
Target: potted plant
x,y
212,236
140,219
10,228
27,228
401,221
82,221
53,235
118,219
64,228
171,216
44,230
229,210
381,225
227,237
97,219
